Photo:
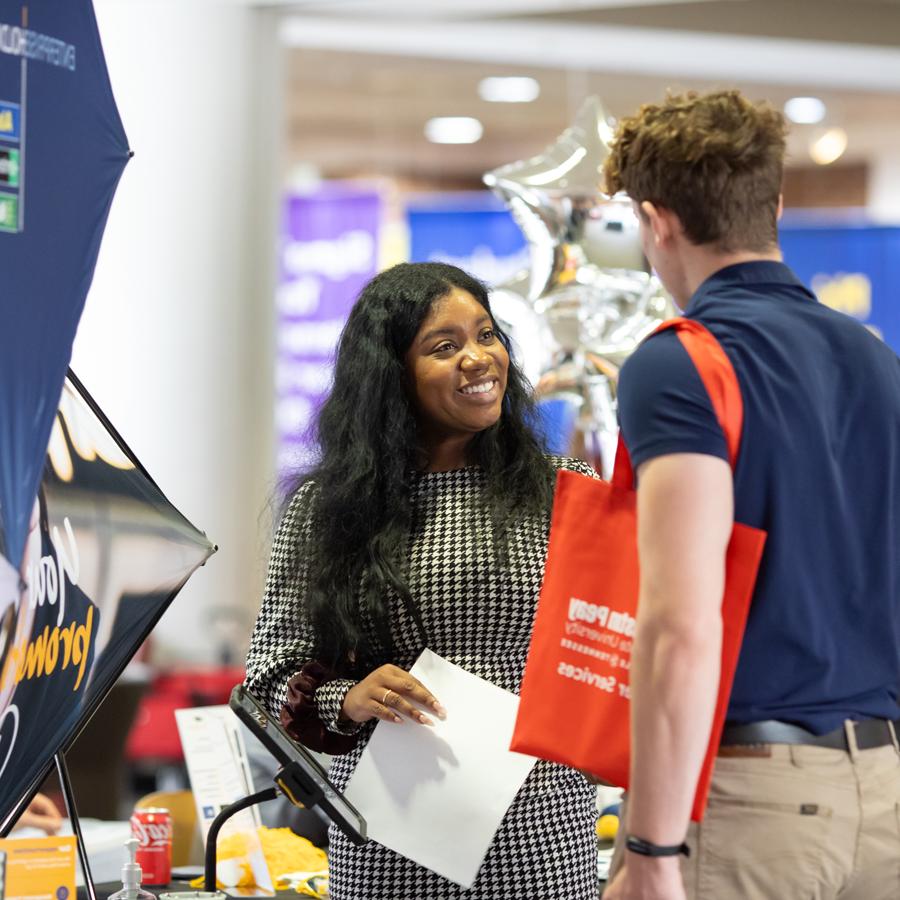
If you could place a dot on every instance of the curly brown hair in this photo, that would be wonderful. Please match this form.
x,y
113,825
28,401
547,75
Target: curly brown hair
x,y
716,160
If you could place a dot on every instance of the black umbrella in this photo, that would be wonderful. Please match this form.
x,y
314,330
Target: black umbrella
x,y
104,555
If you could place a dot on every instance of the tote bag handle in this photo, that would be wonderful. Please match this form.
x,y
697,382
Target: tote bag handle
x,y
719,379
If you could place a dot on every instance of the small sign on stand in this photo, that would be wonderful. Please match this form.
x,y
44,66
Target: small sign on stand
x,y
219,773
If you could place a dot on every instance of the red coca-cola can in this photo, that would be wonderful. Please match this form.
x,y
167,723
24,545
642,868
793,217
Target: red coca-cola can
x,y
153,829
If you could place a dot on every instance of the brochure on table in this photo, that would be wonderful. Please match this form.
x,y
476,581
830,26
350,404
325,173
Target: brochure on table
x,y
39,868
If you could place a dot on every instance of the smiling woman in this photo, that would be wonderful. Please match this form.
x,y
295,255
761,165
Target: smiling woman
x,y
424,523
457,367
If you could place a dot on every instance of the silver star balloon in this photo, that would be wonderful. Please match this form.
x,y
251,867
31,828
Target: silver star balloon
x,y
588,298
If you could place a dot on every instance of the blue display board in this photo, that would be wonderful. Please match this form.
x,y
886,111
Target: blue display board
x,y
854,268
329,251
473,231
851,268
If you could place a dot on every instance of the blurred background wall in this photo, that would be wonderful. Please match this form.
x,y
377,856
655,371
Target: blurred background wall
x,y
176,339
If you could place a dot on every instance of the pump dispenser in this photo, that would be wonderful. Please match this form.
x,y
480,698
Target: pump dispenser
x,y
131,877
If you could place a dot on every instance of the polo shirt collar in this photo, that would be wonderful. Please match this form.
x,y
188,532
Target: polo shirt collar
x,y
747,274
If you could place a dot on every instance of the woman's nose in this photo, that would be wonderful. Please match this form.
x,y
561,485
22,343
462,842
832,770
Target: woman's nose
x,y
475,358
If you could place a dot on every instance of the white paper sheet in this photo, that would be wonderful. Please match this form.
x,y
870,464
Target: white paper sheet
x,y
438,795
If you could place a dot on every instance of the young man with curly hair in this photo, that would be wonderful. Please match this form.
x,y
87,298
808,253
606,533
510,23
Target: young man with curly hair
x,y
805,797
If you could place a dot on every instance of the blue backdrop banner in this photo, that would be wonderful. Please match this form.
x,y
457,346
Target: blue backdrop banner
x,y
473,231
62,150
854,269
329,250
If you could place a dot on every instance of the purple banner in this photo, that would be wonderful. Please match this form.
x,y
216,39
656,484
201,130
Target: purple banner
x,y
329,250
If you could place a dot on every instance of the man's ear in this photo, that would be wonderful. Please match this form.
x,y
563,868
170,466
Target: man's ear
x,y
780,209
663,223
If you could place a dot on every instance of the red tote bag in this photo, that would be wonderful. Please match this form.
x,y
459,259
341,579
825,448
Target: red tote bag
x,y
574,707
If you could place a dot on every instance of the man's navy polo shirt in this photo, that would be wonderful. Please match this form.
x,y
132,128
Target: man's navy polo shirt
x,y
819,470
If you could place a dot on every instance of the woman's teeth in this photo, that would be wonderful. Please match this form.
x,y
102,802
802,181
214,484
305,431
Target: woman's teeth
x,y
479,388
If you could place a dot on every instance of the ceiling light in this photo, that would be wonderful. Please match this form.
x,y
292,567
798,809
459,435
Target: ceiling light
x,y
515,89
829,146
453,130
805,110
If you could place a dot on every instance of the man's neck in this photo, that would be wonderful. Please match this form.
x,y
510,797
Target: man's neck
x,y
700,262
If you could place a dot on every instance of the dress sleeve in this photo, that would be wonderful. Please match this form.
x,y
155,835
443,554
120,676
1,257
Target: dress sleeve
x,y
574,465
280,671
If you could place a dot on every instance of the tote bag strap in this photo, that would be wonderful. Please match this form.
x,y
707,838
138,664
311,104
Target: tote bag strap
x,y
719,379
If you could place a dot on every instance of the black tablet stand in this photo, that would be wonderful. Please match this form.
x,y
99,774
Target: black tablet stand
x,y
290,781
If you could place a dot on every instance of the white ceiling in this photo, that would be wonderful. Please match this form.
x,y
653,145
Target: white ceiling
x,y
611,48
364,75
455,9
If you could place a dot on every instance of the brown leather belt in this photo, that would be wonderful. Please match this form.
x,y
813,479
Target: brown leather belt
x,y
870,733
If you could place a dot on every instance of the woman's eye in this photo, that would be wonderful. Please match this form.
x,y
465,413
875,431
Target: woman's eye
x,y
488,334
443,348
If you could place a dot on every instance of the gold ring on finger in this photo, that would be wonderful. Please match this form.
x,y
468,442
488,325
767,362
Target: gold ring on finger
x,y
384,698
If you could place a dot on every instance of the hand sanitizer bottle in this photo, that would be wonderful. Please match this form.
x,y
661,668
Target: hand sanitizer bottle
x,y
131,877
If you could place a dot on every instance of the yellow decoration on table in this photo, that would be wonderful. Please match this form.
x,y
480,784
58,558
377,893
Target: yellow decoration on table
x,y
607,826
285,853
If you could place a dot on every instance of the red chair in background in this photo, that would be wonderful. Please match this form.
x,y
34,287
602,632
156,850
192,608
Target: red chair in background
x,y
153,743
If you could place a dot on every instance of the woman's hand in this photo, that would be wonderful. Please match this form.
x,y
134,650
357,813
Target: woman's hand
x,y
389,693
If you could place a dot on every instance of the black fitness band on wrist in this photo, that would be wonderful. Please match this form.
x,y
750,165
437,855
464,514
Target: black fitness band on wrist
x,y
645,848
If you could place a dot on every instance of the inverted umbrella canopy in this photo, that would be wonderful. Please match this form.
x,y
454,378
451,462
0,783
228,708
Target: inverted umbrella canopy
x,y
105,555
62,150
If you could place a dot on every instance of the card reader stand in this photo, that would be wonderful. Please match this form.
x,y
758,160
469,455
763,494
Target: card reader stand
x,y
290,781
293,782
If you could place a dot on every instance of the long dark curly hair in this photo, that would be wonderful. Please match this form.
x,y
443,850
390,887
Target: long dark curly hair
x,y
366,430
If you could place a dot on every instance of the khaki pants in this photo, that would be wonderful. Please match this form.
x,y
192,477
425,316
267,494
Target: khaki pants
x,y
795,822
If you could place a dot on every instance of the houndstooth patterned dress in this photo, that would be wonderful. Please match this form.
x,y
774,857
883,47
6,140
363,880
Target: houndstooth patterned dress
x,y
478,615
